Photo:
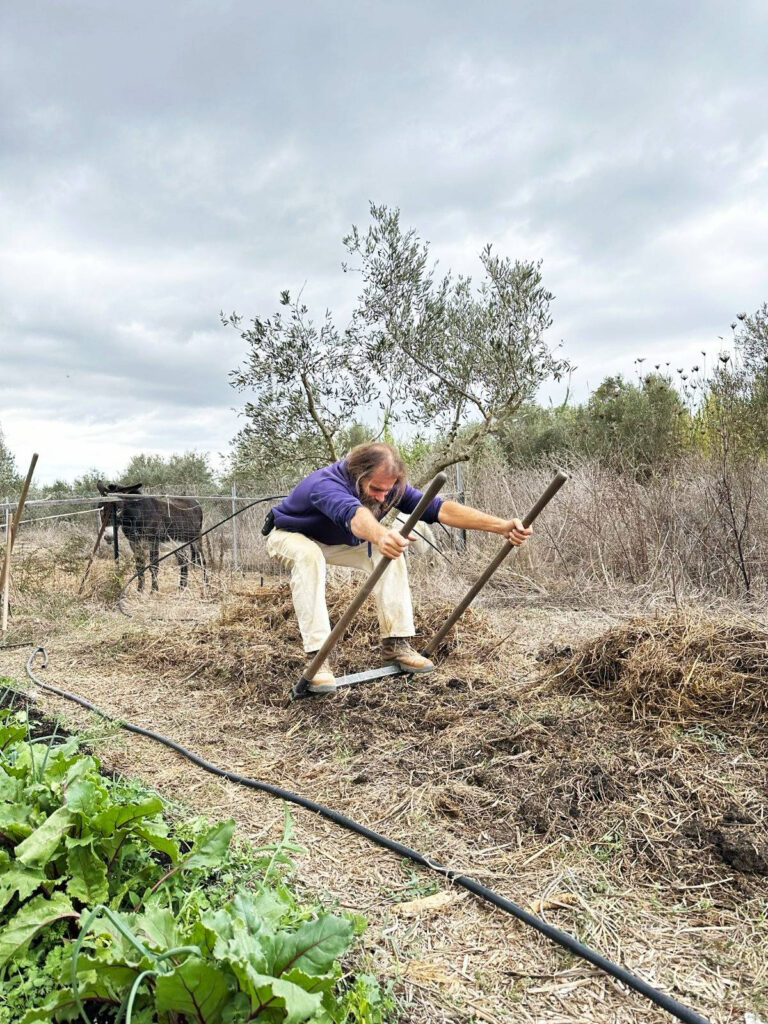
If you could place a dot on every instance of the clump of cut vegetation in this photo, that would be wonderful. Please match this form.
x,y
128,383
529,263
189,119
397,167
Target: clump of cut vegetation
x,y
254,643
681,668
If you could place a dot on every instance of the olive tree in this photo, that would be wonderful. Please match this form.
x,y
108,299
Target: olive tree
x,y
460,357
452,358
309,384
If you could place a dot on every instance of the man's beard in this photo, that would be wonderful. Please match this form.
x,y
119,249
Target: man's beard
x,y
374,506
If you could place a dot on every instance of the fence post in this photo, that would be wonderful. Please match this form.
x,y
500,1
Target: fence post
x,y
7,515
235,560
462,546
115,541
5,578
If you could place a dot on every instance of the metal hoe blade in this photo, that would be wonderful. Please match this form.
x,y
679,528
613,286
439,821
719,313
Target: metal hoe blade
x,y
350,680
371,673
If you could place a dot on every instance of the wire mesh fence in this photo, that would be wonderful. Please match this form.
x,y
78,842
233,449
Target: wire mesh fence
x,y
696,534
57,536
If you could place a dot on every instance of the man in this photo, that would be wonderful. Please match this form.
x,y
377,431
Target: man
x,y
329,517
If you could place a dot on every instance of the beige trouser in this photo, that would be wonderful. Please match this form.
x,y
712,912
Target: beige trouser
x,y
307,558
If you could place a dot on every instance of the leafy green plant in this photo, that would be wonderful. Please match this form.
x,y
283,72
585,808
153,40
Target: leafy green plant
x,y
706,737
365,1001
417,884
108,912
231,965
607,846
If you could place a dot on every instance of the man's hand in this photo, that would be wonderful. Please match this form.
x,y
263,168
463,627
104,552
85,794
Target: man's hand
x,y
392,544
365,526
516,533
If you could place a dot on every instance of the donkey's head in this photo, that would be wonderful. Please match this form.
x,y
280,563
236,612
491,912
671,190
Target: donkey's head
x,y
108,506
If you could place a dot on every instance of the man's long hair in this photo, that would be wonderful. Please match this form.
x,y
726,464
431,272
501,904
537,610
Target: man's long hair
x,y
364,459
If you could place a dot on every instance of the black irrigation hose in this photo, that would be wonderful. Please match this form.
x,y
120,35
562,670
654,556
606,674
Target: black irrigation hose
x,y
666,1002
426,540
433,545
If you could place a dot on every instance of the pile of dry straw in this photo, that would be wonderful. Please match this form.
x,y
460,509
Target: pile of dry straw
x,y
673,668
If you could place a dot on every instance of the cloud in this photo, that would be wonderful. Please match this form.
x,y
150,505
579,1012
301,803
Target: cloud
x,y
159,163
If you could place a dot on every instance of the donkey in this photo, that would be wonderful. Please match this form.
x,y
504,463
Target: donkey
x,y
148,521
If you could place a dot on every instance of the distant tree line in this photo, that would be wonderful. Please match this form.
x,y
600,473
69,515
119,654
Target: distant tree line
x,y
186,473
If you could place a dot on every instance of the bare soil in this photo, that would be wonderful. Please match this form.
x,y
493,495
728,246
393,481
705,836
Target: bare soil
x,y
638,828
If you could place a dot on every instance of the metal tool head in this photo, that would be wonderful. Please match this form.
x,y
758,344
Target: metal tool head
x,y
301,688
372,673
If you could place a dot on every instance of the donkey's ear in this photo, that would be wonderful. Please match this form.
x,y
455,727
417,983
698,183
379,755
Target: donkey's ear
x,y
101,488
131,489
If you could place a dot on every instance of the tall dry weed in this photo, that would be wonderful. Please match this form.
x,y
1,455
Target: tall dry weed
x,y
610,532
610,535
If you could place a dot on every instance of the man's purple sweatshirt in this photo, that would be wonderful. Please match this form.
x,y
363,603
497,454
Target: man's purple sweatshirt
x,y
322,505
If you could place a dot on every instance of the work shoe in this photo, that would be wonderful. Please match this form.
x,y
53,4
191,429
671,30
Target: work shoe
x,y
323,681
398,651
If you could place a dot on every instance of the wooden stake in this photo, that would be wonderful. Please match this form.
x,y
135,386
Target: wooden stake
x,y
5,576
557,482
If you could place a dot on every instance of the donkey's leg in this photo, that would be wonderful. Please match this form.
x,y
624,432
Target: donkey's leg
x,y
210,554
154,552
197,554
140,556
183,560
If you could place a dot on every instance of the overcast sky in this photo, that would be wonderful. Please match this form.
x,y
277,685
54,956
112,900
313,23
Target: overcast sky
x,y
160,162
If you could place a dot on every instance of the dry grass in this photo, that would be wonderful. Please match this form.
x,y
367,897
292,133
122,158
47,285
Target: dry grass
x,y
682,668
253,640
609,535
620,795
